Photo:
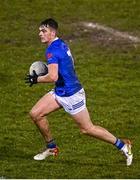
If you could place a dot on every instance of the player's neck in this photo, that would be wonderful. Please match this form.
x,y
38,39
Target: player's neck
x,y
52,40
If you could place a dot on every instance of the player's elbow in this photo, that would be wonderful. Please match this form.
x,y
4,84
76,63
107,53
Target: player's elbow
x,y
53,77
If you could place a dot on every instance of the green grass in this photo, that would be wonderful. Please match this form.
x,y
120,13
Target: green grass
x,y
110,75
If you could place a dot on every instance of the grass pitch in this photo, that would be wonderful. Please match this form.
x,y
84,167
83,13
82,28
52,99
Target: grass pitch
x,y
109,70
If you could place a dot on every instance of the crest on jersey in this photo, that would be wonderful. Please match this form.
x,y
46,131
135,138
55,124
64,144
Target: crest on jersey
x,y
49,55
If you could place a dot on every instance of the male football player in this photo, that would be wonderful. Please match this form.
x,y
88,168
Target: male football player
x,y
68,94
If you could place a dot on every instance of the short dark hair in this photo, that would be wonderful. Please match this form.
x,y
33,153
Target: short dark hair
x,y
50,22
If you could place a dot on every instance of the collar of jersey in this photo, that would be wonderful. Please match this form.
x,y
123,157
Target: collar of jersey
x,y
55,39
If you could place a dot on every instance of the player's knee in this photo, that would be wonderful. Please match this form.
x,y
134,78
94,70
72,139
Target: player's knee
x,y
35,116
87,131
84,131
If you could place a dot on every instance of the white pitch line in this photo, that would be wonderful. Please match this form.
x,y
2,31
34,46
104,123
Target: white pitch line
x,y
111,31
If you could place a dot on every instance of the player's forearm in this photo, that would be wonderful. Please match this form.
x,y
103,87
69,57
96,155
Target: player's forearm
x,y
47,79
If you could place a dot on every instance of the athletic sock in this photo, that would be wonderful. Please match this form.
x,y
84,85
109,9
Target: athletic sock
x,y
51,144
119,144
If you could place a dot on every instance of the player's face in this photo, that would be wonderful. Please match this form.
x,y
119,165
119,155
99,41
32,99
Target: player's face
x,y
45,34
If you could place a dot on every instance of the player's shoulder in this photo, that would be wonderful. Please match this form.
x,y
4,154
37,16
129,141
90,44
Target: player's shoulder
x,y
58,43
58,46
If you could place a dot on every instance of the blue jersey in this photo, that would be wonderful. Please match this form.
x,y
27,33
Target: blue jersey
x,y
59,53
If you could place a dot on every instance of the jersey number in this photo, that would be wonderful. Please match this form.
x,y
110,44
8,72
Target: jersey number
x,y
69,54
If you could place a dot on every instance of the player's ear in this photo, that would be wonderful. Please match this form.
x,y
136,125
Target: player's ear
x,y
53,32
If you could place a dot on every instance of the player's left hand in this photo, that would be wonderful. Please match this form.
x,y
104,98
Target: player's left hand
x,y
31,79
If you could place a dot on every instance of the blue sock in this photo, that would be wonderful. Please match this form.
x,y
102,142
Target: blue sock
x,y
119,143
51,144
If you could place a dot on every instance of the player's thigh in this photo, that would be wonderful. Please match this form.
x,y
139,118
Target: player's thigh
x,y
45,105
83,119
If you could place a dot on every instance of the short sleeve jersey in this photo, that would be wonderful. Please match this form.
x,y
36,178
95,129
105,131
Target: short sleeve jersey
x,y
59,53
